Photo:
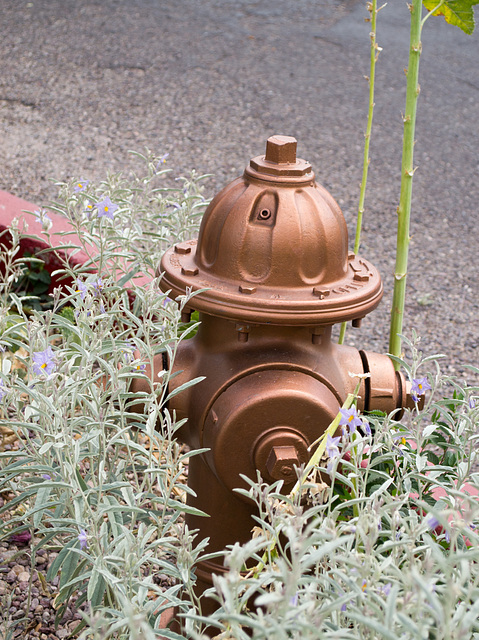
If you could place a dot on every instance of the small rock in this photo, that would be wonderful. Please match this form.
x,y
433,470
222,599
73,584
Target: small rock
x,y
18,569
11,577
38,609
24,576
62,633
3,587
46,616
34,603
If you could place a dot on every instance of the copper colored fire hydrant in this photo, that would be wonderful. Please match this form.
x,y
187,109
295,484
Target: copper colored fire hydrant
x,y
272,258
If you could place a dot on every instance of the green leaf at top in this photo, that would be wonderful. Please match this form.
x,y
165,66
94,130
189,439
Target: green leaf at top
x,y
457,12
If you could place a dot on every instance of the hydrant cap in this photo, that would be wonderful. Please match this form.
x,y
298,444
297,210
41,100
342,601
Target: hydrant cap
x,y
273,248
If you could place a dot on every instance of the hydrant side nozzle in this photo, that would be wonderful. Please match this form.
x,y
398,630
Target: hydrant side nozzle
x,y
386,388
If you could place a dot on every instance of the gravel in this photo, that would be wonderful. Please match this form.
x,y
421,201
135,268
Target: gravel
x,y
28,601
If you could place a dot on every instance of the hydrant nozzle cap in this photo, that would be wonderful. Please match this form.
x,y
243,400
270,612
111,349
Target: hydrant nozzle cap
x,y
280,161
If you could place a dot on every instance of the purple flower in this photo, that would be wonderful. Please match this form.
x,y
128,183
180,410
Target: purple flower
x,y
387,589
399,436
431,521
364,586
419,387
89,209
344,606
83,539
332,446
44,362
472,403
141,367
3,390
23,537
293,601
81,186
350,418
82,289
127,352
161,160
366,427
44,219
98,285
106,208
45,476
447,536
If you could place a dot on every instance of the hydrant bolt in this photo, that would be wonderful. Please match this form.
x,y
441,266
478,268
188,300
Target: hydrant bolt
x,y
281,150
281,462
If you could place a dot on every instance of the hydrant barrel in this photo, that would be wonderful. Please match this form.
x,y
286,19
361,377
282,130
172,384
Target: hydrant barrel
x,y
272,273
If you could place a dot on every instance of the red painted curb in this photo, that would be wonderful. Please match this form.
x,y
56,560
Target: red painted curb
x,y
13,208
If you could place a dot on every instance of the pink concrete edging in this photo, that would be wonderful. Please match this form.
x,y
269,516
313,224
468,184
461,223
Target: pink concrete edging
x,y
34,239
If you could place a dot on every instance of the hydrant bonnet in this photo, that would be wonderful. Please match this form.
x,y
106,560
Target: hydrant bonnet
x,y
273,249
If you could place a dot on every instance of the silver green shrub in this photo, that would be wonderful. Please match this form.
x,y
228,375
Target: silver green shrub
x,y
382,543
94,479
364,548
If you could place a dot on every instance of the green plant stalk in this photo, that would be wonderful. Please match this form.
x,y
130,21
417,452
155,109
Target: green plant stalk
x,y
312,463
321,442
373,10
407,174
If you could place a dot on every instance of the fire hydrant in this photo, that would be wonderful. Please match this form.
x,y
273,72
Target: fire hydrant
x,y
275,274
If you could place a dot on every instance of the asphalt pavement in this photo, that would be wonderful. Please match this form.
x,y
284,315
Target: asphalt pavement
x,y
208,81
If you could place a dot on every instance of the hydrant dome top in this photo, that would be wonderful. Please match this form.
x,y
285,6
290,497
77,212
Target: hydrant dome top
x,y
273,248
